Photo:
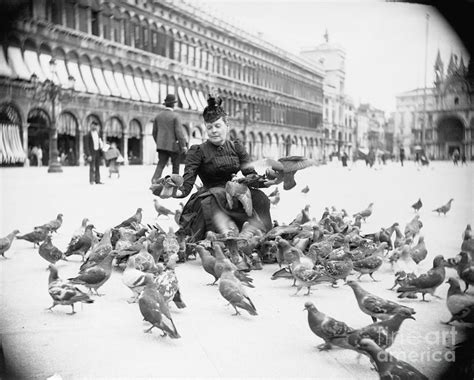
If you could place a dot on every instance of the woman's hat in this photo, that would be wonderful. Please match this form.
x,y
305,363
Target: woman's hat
x,y
170,99
213,111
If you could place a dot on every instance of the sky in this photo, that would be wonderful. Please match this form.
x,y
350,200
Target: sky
x,y
384,42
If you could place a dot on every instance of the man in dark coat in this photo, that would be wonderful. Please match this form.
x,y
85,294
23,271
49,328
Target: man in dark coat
x,y
93,150
170,138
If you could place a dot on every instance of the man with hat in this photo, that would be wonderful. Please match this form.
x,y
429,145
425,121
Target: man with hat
x,y
170,138
93,145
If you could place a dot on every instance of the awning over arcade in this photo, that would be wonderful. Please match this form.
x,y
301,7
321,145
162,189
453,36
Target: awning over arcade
x,y
5,70
45,60
121,85
152,90
110,80
182,98
15,59
73,69
31,60
141,89
61,73
88,79
131,87
100,80
67,125
190,99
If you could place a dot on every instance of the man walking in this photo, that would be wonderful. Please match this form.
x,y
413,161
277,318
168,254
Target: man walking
x,y
169,137
93,150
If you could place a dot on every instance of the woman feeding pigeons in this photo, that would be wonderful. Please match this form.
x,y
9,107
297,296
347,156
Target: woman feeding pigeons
x,y
216,162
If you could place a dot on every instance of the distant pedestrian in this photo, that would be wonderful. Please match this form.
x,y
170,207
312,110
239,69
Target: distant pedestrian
x,y
39,156
169,136
417,158
344,158
456,157
384,159
93,150
463,159
402,155
115,160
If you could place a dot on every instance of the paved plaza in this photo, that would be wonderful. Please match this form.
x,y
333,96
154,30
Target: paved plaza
x,y
106,339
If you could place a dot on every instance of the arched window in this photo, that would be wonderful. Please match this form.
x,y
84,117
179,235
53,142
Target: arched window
x,y
70,11
127,29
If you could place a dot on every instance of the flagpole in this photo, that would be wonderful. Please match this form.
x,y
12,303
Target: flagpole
x,y
423,126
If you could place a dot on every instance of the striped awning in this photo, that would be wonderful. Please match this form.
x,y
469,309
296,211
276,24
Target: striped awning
x,y
113,128
67,125
135,130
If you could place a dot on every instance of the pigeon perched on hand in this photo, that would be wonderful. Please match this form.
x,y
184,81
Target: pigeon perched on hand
x,y
417,205
166,187
6,242
444,209
427,282
37,236
152,306
63,292
388,366
232,290
331,330
161,210
49,252
53,225
376,307
133,220
284,170
460,305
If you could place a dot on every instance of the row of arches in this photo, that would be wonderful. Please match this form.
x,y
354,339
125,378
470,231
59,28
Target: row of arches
x,y
133,137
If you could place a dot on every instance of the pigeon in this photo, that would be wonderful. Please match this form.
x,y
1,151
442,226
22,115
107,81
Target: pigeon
x,y
166,187
357,221
99,252
305,189
417,205
303,216
53,225
282,273
207,261
284,170
129,250
388,366
275,200
468,242
419,251
371,264
365,213
222,261
82,245
329,329
167,282
6,242
232,290
383,332
376,307
465,269
401,279
49,252
305,274
135,279
399,238
37,236
274,192
96,276
133,220
413,227
178,212
467,233
63,292
427,282
153,307
79,232
145,261
161,210
445,208
239,191
339,269
460,305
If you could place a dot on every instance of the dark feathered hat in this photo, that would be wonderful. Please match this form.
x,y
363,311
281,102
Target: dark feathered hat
x,y
213,111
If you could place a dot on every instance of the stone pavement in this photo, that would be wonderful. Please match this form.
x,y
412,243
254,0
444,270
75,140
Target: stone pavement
x,y
106,339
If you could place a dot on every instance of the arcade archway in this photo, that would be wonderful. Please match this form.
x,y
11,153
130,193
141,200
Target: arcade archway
x,y
68,143
11,136
135,156
38,136
450,136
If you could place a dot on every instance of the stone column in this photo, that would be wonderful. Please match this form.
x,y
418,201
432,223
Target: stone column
x,y
125,148
81,148
25,144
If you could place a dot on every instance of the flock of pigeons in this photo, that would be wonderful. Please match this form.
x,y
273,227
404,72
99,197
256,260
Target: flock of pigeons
x,y
308,251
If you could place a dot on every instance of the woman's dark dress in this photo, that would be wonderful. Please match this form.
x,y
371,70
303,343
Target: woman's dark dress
x,y
216,165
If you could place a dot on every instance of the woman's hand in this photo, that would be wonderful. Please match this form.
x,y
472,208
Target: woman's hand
x,y
179,193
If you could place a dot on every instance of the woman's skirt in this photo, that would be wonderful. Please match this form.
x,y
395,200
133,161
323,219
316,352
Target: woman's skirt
x,y
199,213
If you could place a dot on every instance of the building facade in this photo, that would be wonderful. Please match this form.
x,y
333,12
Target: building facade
x,y
338,109
370,130
126,56
439,119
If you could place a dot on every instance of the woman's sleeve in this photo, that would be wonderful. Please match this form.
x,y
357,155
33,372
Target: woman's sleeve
x,y
244,158
192,164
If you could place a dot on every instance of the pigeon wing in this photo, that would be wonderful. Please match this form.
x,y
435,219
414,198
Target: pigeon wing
x,y
92,275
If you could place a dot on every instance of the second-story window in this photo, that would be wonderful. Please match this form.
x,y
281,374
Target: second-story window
x,y
70,14
126,32
83,18
137,35
95,23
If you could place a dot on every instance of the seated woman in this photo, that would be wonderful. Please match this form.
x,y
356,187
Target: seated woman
x,y
216,161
